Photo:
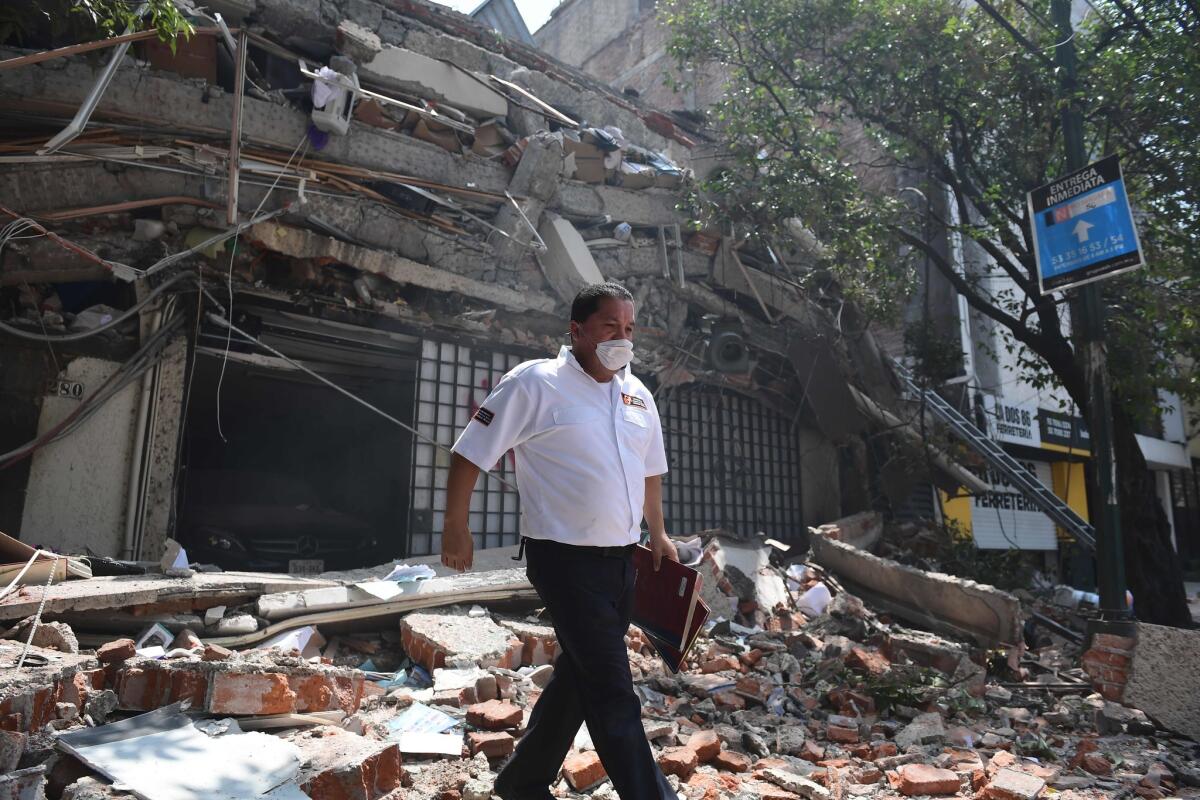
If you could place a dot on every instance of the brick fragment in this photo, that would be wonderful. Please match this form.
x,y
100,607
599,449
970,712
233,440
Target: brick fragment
x,y
870,661
679,761
116,651
732,761
583,770
494,715
339,765
923,779
720,664
706,744
252,693
214,652
841,735
729,701
493,744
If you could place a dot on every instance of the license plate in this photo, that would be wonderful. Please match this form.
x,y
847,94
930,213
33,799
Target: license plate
x,y
306,566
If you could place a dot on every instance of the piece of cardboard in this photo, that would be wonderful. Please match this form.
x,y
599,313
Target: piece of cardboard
x,y
635,176
491,139
589,160
444,138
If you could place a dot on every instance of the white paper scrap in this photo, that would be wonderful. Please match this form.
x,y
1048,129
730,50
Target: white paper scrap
x,y
403,573
443,744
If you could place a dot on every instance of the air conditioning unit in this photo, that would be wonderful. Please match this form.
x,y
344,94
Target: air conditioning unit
x,y
727,348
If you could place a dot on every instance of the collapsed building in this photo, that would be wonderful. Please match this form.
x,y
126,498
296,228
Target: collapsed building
x,y
253,287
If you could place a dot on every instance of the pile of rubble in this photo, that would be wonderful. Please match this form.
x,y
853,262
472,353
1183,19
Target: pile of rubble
x,y
796,689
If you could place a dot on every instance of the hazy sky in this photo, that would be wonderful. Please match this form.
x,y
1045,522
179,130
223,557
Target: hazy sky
x,y
535,12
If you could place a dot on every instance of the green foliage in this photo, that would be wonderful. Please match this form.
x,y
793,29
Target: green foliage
x,y
887,126
53,22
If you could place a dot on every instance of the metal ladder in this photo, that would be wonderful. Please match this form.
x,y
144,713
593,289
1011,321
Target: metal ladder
x,y
1028,483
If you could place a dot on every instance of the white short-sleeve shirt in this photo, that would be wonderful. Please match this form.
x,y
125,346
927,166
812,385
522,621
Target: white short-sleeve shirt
x,y
583,449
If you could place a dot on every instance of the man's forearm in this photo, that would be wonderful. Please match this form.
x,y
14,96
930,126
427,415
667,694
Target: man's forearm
x,y
459,485
652,507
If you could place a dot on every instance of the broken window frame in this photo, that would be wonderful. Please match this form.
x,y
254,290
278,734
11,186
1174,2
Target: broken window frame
x,y
707,464
452,379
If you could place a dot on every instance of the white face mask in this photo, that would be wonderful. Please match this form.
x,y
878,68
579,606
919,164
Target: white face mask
x,y
616,354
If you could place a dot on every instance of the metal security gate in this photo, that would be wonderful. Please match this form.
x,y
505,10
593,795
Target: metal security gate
x,y
452,382
734,463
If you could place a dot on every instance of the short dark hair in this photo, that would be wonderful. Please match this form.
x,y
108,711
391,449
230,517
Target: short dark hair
x,y
589,297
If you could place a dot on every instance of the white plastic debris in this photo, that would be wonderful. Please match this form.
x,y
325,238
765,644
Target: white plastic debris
x,y
814,602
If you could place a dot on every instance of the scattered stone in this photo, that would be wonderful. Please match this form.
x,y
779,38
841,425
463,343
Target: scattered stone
x,y
493,744
796,784
924,729
1009,784
117,651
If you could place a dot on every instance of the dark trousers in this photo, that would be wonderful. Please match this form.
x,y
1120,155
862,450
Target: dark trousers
x,y
589,595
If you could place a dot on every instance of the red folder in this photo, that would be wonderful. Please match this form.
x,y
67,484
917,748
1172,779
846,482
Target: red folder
x,y
673,657
664,602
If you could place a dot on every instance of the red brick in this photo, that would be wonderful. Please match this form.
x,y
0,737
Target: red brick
x,y
704,787
1106,658
252,693
116,651
190,686
721,664
313,692
841,735
922,779
1114,641
870,661
583,770
811,751
755,687
214,652
680,761
142,689
883,750
371,778
732,761
494,715
751,658
706,744
491,744
729,701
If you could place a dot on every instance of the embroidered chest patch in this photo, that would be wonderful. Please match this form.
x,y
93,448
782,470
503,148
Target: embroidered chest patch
x,y
636,402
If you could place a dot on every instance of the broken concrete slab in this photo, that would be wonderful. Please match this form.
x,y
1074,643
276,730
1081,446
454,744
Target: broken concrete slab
x,y
862,530
567,262
1164,678
23,784
416,74
440,639
943,602
300,243
748,570
286,605
148,591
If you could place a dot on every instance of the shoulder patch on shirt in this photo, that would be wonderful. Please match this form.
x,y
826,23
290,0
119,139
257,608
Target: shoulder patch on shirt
x,y
483,416
631,400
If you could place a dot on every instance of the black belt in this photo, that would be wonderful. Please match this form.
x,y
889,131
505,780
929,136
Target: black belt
x,y
619,551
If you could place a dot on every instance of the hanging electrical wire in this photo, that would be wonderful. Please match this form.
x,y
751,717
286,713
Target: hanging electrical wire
x,y
146,357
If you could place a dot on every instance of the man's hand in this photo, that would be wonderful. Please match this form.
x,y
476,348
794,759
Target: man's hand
x,y
458,548
661,546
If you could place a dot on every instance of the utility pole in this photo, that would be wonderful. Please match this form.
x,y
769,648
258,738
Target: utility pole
x,y
1087,315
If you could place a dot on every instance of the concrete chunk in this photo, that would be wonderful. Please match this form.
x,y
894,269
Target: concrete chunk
x,y
1164,678
413,73
567,262
436,640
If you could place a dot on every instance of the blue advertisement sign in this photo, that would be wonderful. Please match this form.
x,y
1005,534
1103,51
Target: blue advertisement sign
x,y
1083,228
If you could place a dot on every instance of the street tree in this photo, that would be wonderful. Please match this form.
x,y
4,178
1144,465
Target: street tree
x,y
887,126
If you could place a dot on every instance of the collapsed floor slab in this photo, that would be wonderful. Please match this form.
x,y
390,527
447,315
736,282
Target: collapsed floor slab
x,y
944,603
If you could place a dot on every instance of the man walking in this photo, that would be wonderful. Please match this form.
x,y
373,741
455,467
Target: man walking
x,y
589,464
